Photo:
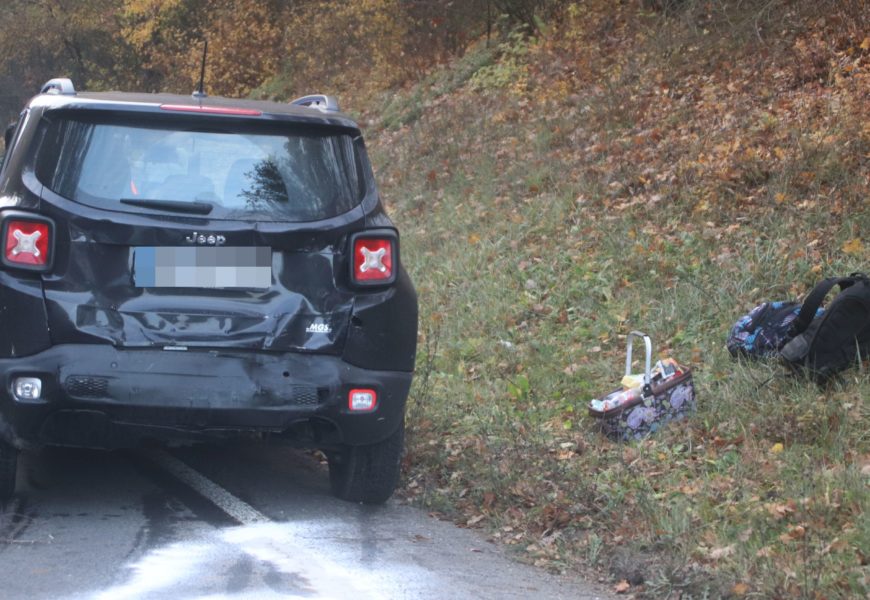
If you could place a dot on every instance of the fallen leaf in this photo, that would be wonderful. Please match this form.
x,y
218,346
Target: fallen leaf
x,y
740,589
689,489
795,533
854,246
622,587
780,510
717,553
837,545
776,448
474,520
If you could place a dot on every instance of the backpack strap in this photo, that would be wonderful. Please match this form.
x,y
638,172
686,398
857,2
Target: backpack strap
x,y
815,298
759,318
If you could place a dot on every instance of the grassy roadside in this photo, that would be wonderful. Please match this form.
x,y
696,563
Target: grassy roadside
x,y
628,171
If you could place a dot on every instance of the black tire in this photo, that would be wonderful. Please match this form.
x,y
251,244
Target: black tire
x,y
367,474
8,468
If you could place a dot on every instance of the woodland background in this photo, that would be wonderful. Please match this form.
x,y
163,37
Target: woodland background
x,y
562,173
267,47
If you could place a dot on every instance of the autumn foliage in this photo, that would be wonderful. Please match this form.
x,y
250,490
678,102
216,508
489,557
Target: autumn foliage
x,y
563,172
277,47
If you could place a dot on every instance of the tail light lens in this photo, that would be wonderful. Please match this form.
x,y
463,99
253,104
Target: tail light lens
x,y
362,400
27,241
375,257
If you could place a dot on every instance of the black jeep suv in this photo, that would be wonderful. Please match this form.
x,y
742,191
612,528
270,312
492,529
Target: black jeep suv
x,y
180,268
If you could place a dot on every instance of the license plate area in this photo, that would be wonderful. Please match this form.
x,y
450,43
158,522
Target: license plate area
x,y
246,267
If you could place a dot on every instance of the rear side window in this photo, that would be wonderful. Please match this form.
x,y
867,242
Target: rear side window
x,y
282,173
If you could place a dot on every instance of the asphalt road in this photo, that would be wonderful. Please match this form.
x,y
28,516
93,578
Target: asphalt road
x,y
247,521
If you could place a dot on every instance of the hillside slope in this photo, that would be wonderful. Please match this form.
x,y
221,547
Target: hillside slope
x,y
633,170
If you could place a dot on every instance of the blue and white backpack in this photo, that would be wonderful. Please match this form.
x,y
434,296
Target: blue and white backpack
x,y
765,330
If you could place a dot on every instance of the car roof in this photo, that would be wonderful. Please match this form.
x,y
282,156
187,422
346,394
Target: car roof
x,y
145,102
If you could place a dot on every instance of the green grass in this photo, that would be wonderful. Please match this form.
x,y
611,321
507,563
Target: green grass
x,y
531,266
404,109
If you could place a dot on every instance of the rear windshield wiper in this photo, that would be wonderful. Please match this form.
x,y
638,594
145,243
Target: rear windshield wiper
x,y
197,208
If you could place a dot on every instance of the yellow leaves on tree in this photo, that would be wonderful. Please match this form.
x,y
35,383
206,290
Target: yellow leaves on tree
x,y
245,42
345,45
162,34
245,45
54,38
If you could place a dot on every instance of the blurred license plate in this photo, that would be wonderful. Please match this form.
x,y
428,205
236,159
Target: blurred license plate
x,y
200,267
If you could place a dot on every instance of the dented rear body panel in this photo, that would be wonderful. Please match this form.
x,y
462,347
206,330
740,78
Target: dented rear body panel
x,y
201,280
92,294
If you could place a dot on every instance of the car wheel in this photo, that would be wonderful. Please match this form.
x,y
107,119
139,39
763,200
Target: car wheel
x,y
8,467
367,474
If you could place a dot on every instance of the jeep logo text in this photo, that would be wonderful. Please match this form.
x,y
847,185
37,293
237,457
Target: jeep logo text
x,y
205,239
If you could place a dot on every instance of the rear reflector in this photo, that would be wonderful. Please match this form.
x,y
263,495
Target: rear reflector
x,y
374,259
27,242
362,400
212,110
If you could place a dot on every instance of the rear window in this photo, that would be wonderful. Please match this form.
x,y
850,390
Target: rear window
x,y
279,173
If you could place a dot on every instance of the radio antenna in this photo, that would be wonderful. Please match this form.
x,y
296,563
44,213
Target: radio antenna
x,y
200,91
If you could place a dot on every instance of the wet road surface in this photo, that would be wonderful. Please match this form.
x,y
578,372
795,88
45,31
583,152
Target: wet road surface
x,y
245,521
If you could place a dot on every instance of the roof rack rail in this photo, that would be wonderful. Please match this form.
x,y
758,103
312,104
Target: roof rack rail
x,y
60,85
319,101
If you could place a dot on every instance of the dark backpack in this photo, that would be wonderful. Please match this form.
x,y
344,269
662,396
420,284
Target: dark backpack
x,y
836,340
765,330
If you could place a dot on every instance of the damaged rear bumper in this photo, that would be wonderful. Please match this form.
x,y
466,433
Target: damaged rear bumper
x,y
98,396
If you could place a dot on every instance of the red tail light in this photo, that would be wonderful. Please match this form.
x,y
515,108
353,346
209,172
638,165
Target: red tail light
x,y
374,258
27,242
365,400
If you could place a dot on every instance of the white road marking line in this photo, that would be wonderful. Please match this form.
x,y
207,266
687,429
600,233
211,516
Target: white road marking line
x,y
260,537
236,508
